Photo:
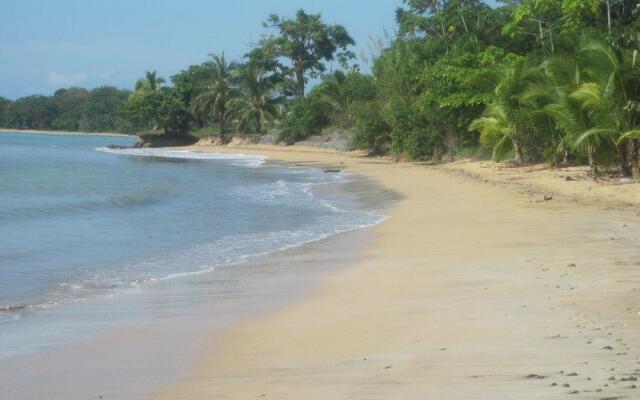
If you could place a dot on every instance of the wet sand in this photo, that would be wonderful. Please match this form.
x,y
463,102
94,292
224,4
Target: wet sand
x,y
470,290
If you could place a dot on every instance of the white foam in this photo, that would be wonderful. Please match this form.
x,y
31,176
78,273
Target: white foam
x,y
236,159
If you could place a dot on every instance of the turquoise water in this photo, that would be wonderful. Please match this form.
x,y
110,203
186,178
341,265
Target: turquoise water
x,y
80,223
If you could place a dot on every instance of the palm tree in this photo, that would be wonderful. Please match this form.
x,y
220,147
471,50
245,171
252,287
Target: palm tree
x,y
257,102
507,121
611,98
565,75
150,83
332,91
215,96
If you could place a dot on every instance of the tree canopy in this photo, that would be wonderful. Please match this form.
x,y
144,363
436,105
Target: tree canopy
x,y
308,44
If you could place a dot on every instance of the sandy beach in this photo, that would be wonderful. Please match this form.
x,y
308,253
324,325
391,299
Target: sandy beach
x,y
474,288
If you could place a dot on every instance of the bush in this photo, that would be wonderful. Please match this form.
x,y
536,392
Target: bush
x,y
307,116
372,131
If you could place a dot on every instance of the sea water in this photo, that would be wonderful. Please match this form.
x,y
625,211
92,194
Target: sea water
x,y
81,222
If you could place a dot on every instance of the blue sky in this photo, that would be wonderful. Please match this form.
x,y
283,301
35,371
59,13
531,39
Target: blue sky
x,y
47,44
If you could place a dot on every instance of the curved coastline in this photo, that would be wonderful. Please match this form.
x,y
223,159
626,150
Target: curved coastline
x,y
69,370
467,289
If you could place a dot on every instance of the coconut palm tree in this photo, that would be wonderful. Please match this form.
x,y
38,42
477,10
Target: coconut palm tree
x,y
150,83
507,123
332,91
611,98
257,103
213,98
565,75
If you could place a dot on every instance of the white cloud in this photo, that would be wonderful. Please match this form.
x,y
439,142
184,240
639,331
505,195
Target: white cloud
x,y
58,79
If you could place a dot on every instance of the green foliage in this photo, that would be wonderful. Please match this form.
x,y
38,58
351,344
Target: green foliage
x,y
372,130
508,122
191,82
335,101
307,43
343,92
73,109
152,110
150,83
256,103
307,116
214,92
205,131
554,80
4,104
100,111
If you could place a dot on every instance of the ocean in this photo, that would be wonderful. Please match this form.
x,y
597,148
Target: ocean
x,y
87,232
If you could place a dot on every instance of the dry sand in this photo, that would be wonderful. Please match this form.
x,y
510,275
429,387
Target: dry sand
x,y
471,290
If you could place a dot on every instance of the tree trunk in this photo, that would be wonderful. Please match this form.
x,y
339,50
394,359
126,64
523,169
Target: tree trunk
x,y
259,123
223,124
632,153
623,160
541,36
609,17
517,149
565,157
592,161
464,22
299,82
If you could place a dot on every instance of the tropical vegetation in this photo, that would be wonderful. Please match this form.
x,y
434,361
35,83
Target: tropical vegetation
x,y
524,81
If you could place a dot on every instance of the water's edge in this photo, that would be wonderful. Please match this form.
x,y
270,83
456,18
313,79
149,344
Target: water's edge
x,y
142,356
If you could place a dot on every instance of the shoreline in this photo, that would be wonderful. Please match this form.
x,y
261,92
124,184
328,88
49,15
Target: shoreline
x,y
65,133
469,291
138,357
152,352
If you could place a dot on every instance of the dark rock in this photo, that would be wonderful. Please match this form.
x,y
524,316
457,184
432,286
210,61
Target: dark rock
x,y
166,140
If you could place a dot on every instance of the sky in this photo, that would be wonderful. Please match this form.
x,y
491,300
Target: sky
x,y
49,44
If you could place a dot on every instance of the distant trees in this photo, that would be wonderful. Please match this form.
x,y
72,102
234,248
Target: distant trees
x,y
251,95
101,111
152,107
150,83
4,103
72,109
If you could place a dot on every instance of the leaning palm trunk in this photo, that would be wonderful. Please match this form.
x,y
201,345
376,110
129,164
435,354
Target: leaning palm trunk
x,y
517,149
592,160
632,154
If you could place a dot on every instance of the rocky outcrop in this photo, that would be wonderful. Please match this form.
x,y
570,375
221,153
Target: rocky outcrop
x,y
165,140
235,139
338,139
